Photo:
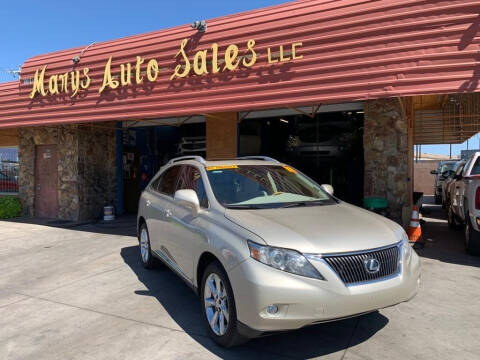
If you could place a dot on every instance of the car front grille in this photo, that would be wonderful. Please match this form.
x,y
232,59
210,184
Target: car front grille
x,y
351,267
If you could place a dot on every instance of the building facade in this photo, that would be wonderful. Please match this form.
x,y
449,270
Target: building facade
x,y
94,123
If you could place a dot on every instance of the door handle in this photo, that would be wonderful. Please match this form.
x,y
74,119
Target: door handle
x,y
148,203
168,213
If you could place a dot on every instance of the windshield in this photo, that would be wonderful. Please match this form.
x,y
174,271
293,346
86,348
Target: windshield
x,y
264,186
445,167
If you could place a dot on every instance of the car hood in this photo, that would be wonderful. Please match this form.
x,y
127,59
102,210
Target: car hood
x,y
319,229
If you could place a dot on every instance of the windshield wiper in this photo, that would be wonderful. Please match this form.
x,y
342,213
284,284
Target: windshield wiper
x,y
244,206
305,203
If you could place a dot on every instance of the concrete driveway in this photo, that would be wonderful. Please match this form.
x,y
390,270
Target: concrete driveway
x,y
82,293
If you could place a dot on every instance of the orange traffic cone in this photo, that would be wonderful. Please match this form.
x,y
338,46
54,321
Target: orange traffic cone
x,y
415,230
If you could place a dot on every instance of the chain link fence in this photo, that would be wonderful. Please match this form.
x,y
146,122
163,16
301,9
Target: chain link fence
x,y
8,170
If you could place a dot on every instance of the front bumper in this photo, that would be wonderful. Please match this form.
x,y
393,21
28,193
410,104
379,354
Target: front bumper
x,y
303,301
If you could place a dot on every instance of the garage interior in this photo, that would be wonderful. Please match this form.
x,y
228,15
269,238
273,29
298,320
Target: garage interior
x,y
324,142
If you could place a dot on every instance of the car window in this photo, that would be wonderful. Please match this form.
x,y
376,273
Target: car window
x,y
155,183
168,181
476,167
445,167
263,186
191,179
467,165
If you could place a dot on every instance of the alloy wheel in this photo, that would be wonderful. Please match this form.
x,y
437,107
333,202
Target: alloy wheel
x,y
216,304
144,246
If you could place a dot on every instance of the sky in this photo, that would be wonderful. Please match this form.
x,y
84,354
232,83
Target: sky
x,y
473,144
33,27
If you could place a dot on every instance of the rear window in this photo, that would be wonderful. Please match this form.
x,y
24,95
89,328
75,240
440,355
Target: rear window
x,y
445,167
476,167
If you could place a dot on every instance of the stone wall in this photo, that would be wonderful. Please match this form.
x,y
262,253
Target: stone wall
x,y
67,146
86,168
386,154
97,170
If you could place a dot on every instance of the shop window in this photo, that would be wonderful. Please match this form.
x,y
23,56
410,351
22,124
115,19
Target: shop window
x,y
8,170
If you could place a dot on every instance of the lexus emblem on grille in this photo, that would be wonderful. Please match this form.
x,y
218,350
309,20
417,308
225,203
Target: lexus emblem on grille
x,y
371,265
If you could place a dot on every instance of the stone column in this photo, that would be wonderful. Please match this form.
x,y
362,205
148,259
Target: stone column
x,y
386,154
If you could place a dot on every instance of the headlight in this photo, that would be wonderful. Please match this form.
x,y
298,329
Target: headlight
x,y
284,259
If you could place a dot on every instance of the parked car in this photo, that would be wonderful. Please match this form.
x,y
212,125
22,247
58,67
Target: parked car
x,y
464,206
8,184
324,141
443,166
255,239
449,179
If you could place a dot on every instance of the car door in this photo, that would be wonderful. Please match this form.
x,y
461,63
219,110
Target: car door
x,y
451,183
459,190
187,237
159,217
468,190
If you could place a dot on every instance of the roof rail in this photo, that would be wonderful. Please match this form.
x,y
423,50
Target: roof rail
x,y
192,157
264,158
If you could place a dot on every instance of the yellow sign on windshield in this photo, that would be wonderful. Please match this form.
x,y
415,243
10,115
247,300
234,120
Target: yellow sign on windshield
x,y
221,167
290,169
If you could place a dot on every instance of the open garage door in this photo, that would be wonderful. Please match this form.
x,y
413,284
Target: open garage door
x,y
147,146
325,142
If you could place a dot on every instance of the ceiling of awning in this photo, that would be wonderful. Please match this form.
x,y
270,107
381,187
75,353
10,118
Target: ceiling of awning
x,y
446,119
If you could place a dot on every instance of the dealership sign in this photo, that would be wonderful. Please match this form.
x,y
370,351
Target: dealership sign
x,y
203,62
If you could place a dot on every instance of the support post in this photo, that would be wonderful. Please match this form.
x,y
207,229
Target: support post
x,y
119,153
222,135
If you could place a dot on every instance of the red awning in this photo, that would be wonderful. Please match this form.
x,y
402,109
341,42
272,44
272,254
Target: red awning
x,y
345,50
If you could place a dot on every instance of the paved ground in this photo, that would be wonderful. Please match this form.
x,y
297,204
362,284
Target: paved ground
x,y
81,293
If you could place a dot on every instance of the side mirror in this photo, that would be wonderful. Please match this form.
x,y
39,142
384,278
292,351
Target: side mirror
x,y
434,172
458,177
328,188
189,199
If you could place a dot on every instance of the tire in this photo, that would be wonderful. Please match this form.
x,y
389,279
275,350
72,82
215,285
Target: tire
x,y
472,238
438,199
218,307
452,222
148,261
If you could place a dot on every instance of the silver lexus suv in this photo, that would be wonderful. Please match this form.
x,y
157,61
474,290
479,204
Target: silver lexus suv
x,y
268,249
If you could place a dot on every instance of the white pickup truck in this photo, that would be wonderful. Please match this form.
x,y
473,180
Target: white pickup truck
x,y
464,208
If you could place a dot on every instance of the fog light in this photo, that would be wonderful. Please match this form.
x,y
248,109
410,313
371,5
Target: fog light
x,y
272,309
